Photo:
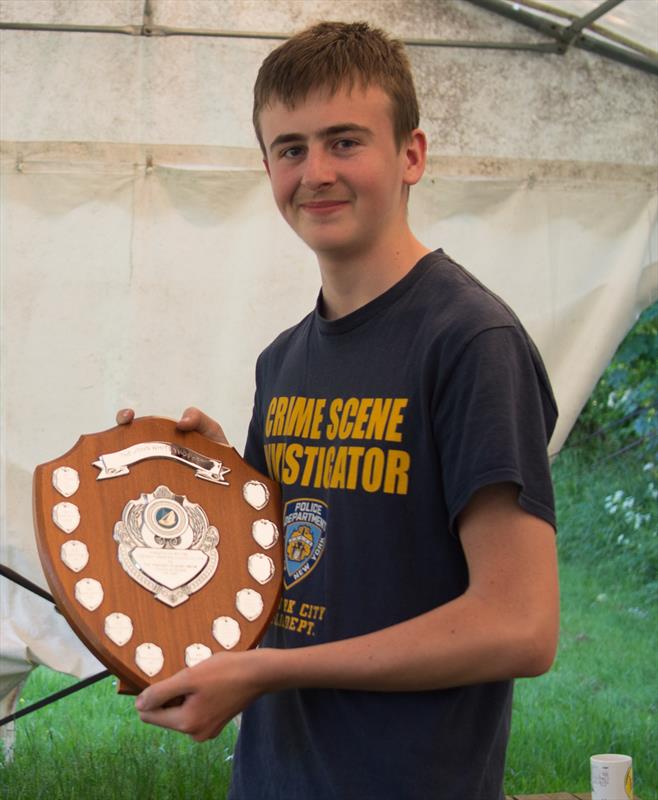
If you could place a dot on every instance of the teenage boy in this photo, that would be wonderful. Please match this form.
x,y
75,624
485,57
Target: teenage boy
x,y
407,420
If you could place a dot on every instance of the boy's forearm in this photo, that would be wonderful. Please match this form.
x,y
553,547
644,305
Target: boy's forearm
x,y
463,642
504,626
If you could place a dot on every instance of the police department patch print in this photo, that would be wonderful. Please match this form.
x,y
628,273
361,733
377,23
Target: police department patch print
x,y
305,523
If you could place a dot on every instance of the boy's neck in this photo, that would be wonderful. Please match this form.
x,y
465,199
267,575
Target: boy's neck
x,y
351,281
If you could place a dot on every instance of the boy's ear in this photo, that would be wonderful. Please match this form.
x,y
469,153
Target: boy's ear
x,y
415,151
267,167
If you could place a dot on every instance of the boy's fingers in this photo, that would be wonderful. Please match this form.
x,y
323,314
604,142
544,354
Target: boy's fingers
x,y
192,419
171,717
163,703
124,416
160,694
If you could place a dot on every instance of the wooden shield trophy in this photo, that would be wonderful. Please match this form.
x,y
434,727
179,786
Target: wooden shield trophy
x,y
160,547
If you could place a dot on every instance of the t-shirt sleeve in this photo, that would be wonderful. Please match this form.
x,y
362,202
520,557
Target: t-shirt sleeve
x,y
254,452
493,418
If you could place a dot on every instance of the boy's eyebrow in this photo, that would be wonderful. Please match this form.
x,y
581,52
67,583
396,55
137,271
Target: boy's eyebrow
x,y
324,133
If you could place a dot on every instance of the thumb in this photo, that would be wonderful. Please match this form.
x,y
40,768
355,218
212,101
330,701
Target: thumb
x,y
192,419
124,416
160,694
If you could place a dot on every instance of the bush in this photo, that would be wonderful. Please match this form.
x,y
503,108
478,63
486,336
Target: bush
x,y
622,408
611,517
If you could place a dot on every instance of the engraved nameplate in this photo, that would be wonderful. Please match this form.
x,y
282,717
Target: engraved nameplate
x,y
196,653
261,567
149,658
227,631
118,628
265,533
249,603
112,465
66,480
170,568
256,494
89,593
66,516
75,555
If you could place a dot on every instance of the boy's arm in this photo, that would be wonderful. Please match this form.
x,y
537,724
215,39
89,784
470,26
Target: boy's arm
x,y
505,625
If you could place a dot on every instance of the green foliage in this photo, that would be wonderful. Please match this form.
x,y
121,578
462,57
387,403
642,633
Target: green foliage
x,y
606,477
623,406
600,695
608,514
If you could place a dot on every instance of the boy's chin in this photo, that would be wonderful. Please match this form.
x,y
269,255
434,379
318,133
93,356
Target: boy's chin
x,y
328,243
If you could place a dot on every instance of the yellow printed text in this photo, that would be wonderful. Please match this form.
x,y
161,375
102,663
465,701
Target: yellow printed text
x,y
344,467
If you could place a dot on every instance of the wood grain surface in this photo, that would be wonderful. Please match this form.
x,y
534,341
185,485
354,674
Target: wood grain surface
x,y
101,504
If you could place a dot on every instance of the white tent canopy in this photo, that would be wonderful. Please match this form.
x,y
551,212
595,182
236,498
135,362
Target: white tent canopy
x,y
144,263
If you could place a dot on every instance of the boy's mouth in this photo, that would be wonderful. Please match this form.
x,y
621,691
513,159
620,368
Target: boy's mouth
x,y
322,206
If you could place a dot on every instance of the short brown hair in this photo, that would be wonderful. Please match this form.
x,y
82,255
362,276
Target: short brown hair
x,y
335,54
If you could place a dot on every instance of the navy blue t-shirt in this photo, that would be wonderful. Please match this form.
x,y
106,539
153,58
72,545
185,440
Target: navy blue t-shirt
x,y
379,427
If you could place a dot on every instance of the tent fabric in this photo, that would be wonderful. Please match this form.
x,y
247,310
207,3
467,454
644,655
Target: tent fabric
x,y
197,91
152,277
144,264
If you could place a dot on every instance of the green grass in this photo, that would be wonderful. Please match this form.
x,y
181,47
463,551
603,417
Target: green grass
x,y
601,695
92,745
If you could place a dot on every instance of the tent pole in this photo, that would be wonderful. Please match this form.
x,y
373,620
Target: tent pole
x,y
55,696
8,573
569,34
581,40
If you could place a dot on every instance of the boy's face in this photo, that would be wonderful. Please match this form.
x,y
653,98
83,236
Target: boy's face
x,y
336,172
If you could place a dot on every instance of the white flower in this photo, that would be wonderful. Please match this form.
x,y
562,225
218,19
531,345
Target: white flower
x,y
649,465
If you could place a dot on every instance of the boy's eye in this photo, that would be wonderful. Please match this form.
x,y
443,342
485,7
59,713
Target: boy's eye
x,y
291,152
345,144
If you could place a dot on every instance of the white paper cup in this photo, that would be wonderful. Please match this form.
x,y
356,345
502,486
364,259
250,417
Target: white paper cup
x,y
612,777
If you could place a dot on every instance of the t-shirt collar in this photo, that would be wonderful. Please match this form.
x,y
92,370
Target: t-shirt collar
x,y
380,303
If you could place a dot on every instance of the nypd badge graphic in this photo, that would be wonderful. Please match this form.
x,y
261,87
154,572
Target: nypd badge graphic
x,y
305,522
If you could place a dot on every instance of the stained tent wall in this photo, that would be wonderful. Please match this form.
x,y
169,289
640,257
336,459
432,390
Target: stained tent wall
x,y
144,264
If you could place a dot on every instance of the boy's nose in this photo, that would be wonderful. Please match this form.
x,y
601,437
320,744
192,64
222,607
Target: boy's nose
x,y
318,170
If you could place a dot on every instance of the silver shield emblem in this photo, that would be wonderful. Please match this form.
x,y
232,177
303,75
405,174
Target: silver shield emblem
x,y
167,545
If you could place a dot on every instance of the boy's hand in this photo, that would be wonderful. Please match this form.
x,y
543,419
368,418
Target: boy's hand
x,y
192,419
212,693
